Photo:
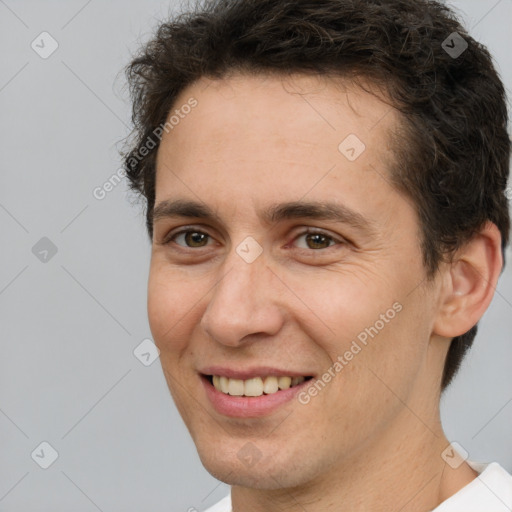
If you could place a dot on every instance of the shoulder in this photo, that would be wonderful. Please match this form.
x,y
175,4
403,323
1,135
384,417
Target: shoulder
x,y
491,491
224,505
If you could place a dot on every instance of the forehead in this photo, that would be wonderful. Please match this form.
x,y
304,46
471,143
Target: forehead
x,y
279,131
306,107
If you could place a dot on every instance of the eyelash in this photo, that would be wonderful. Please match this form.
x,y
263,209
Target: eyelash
x,y
171,238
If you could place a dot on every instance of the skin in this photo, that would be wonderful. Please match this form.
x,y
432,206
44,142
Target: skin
x,y
372,438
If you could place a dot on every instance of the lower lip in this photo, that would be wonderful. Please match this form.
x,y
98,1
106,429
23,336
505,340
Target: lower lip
x,y
249,407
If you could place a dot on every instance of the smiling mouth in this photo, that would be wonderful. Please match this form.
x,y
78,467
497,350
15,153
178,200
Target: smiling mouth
x,y
254,387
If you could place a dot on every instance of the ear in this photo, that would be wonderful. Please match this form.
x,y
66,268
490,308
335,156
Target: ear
x,y
469,282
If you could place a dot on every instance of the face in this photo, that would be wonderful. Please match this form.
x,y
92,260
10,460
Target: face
x,y
281,249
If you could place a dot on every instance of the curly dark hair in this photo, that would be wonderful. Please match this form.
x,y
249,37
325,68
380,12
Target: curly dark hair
x,y
452,149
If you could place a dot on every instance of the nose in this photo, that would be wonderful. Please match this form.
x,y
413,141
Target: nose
x,y
244,303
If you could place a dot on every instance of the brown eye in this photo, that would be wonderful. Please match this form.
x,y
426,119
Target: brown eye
x,y
191,238
315,241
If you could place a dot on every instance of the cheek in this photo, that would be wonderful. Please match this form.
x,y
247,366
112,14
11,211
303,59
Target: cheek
x,y
342,303
386,352
169,310
369,318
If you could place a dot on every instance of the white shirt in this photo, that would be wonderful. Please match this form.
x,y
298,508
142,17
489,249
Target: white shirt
x,y
491,491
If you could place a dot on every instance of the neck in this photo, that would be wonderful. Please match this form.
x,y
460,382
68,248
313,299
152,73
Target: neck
x,y
402,470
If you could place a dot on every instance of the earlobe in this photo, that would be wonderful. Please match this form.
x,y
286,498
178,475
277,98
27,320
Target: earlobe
x,y
469,283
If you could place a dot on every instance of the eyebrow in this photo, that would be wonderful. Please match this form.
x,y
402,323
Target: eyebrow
x,y
273,214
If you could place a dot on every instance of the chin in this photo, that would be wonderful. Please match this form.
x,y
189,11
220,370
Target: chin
x,y
267,473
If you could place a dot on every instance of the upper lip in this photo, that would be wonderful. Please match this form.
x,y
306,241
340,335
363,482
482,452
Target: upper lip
x,y
249,373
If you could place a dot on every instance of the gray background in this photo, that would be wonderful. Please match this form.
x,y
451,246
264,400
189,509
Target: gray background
x,y
69,326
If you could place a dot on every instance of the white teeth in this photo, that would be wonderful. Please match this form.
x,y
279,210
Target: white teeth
x,y
270,385
256,386
284,382
224,387
236,387
253,387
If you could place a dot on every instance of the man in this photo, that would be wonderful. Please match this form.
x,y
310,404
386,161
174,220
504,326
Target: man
x,y
325,186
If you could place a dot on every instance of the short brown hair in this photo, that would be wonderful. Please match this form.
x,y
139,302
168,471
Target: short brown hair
x,y
453,155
